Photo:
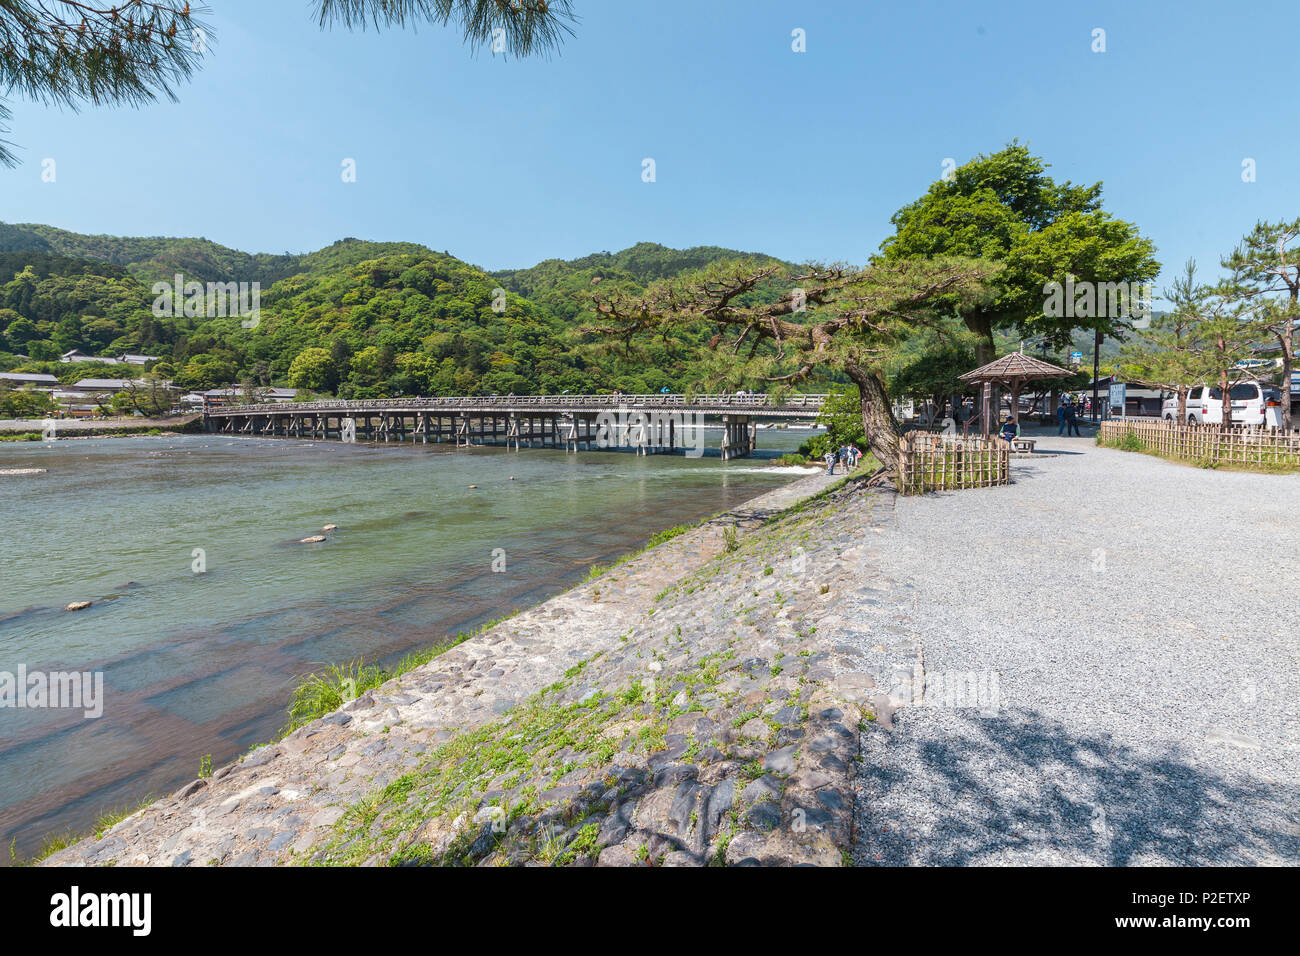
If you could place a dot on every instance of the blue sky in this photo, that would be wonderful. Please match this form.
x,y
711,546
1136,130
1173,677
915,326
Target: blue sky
x,y
802,155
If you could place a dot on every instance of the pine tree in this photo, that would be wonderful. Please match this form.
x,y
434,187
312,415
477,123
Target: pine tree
x,y
781,326
1266,272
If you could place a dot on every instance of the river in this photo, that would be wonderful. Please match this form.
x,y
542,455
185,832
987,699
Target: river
x,y
207,611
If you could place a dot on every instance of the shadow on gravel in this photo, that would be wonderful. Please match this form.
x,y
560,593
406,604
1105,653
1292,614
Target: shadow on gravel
x,y
1021,790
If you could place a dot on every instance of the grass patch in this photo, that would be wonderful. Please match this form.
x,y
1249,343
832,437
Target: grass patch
x,y
54,843
326,691
656,539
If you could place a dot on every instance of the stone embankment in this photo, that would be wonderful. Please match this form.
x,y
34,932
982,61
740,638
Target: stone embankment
x,y
689,707
99,427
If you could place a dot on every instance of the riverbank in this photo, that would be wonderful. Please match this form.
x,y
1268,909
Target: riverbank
x,y
200,652
33,429
679,709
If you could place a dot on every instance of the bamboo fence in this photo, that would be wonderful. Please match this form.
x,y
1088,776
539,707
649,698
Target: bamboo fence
x,y
929,462
1243,445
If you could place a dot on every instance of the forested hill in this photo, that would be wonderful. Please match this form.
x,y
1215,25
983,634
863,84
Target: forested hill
x,y
357,318
156,258
564,283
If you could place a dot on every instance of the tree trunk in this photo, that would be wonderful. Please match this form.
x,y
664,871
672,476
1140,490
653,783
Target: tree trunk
x,y
1288,361
878,422
1182,404
982,325
1226,397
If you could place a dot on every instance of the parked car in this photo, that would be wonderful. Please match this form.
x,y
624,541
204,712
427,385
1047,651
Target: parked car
x,y
1252,404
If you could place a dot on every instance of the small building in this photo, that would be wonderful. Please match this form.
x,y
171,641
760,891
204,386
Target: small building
x,y
76,355
130,359
1139,400
97,385
29,380
237,395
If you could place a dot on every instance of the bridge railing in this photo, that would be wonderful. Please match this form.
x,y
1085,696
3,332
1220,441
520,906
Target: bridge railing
x,y
792,403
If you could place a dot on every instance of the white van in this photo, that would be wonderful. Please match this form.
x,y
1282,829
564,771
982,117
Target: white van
x,y
1252,404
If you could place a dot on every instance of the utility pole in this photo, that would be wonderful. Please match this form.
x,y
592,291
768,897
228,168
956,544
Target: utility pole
x,y
1096,370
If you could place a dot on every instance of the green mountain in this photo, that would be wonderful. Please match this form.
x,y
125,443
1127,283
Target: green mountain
x,y
361,319
156,258
565,284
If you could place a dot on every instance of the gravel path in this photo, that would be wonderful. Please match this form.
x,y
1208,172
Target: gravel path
x,y
1133,636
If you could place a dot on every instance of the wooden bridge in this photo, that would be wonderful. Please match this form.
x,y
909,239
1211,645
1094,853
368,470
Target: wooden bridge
x,y
646,423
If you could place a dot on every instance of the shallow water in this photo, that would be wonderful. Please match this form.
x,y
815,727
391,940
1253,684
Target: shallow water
x,y
208,611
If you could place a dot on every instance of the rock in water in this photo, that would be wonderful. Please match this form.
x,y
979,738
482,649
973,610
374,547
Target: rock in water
x,y
313,539
78,605
330,527
473,486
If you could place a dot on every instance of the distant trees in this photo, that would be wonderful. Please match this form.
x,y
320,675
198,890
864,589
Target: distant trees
x,y
204,371
314,369
148,397
22,403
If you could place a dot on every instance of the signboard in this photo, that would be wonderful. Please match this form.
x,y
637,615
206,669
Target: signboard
x,y
1117,394
1076,358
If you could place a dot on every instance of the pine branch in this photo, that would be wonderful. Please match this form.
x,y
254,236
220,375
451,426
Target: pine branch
x,y
67,53
529,26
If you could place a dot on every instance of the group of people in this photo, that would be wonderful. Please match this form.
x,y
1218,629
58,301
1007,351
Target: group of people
x,y
1067,416
848,455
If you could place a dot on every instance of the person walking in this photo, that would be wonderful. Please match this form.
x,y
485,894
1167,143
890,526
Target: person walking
x,y
830,462
1072,421
1060,416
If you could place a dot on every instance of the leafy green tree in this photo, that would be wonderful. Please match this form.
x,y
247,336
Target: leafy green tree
x,y
841,416
314,369
204,371
1003,208
21,403
934,371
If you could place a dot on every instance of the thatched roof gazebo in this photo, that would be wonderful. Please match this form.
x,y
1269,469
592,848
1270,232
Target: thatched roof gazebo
x,y
1011,371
